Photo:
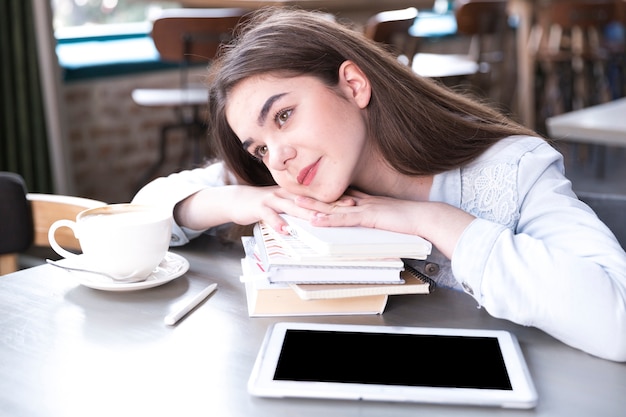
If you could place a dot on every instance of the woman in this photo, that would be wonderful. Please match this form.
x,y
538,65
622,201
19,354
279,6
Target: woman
x,y
312,119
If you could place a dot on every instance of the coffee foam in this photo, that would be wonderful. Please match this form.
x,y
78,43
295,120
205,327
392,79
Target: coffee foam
x,y
124,218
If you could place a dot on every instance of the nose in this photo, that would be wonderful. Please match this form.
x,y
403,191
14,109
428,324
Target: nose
x,y
279,155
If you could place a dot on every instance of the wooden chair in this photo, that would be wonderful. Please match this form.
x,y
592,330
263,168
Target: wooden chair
x,y
48,208
188,37
485,24
26,217
391,28
567,43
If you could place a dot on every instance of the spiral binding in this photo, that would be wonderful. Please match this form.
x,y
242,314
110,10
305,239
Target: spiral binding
x,y
417,274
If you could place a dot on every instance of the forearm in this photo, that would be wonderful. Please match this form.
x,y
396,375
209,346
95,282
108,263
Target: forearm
x,y
575,295
207,208
439,223
239,204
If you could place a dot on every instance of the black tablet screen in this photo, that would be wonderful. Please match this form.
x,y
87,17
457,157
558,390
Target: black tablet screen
x,y
393,359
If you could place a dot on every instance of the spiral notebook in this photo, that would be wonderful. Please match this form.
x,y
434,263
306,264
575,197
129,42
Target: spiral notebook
x,y
414,283
273,263
287,259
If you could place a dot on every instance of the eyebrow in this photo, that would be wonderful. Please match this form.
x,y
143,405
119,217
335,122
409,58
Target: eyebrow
x,y
246,144
266,108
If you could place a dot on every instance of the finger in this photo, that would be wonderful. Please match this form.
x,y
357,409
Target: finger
x,y
345,201
336,219
356,193
319,206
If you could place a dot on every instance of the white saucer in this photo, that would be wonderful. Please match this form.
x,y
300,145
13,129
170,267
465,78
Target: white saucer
x,y
171,267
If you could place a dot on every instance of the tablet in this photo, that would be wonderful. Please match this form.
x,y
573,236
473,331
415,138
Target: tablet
x,y
404,364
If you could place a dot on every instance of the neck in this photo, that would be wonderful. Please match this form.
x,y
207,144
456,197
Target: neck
x,y
378,178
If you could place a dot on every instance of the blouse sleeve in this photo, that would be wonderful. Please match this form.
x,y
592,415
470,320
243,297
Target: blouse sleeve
x,y
170,190
559,269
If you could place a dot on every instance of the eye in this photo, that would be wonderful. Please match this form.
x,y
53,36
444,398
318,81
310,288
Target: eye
x,y
260,151
283,116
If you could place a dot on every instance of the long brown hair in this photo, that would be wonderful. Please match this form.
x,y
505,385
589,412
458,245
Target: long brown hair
x,y
420,127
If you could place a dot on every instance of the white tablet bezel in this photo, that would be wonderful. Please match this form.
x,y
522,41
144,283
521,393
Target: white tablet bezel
x,y
523,394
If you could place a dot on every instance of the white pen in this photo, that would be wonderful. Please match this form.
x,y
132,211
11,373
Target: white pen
x,y
173,318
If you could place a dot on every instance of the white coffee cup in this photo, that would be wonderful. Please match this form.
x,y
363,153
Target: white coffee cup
x,y
121,240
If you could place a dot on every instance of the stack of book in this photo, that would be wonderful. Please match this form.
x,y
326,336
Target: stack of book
x,y
328,271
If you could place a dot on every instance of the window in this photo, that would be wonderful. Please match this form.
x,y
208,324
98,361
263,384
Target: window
x,y
94,16
106,37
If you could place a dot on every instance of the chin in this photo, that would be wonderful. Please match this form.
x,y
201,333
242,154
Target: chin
x,y
327,198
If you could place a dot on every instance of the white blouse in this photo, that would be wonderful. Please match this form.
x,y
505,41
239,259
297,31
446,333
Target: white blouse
x,y
535,254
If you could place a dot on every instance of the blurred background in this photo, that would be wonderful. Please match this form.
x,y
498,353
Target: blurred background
x,y
70,124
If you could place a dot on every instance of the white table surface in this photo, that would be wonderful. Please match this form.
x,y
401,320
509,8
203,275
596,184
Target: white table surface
x,y
604,124
68,350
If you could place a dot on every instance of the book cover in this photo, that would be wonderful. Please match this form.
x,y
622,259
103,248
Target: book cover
x,y
265,299
358,241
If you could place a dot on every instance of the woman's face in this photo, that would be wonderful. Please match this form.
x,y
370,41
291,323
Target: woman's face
x,y
312,138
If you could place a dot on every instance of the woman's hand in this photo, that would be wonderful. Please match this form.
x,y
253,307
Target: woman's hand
x,y
253,204
240,204
439,223
359,209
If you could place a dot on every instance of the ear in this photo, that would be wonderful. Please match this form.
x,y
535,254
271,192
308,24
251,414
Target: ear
x,y
354,83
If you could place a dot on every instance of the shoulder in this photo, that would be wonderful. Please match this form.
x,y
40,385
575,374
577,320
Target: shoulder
x,y
513,149
212,175
515,163
493,185
175,187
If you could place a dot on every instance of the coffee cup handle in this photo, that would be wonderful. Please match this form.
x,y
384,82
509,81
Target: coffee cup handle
x,y
53,243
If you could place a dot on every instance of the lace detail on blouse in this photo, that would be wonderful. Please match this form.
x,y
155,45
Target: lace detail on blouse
x,y
490,192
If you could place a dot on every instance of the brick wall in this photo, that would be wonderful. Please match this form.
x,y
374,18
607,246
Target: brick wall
x,y
113,141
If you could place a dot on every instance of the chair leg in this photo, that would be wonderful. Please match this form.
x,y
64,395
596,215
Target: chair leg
x,y
154,168
194,130
8,263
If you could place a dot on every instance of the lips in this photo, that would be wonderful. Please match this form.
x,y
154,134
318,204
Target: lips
x,y
307,174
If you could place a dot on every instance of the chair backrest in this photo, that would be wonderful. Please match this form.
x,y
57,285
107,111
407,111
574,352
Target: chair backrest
x,y
576,26
193,35
48,208
611,209
577,13
480,17
486,22
391,27
16,224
